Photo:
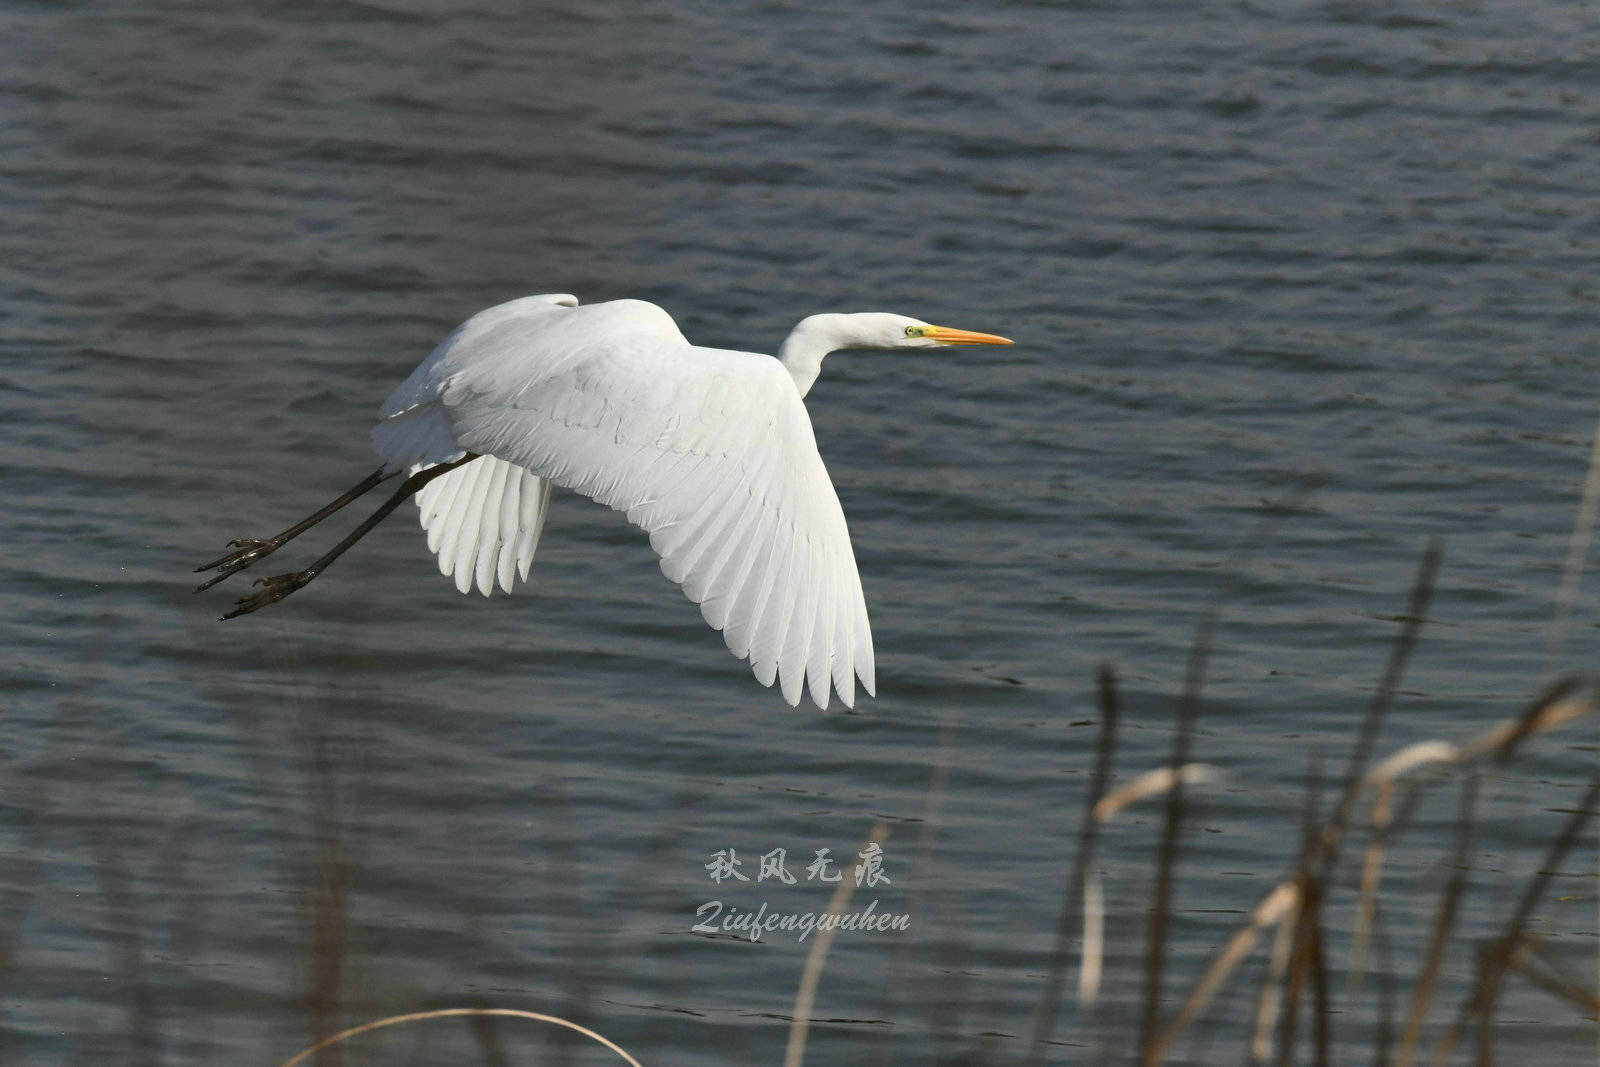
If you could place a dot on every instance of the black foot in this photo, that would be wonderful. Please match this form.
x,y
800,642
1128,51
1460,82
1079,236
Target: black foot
x,y
249,552
272,590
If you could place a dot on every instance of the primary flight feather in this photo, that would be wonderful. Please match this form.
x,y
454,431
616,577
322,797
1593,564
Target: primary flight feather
x,y
709,450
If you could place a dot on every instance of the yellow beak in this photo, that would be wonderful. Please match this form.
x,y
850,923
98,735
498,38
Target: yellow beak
x,y
945,335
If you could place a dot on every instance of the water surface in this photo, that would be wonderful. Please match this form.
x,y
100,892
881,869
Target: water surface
x,y
1338,254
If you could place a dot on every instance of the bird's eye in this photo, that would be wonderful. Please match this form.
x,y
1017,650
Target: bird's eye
x,y
913,331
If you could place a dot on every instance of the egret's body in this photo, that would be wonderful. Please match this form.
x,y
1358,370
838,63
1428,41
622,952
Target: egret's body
x,y
709,450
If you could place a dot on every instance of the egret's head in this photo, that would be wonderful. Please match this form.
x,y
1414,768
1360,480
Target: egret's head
x,y
914,333
818,335
877,329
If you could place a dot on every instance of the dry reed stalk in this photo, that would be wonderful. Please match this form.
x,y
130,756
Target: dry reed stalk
x,y
805,997
1306,958
1366,913
1305,965
418,1016
1150,784
1557,706
1324,847
1388,771
327,899
1501,953
1322,856
1382,781
1543,716
1405,642
1183,738
1077,887
1322,1009
1531,962
1155,783
1577,550
1272,985
1444,920
1167,851
1384,1037
1094,944
1274,908
922,866
1572,570
124,925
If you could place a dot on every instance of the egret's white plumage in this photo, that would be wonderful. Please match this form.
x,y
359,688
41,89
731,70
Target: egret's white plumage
x,y
709,450
483,522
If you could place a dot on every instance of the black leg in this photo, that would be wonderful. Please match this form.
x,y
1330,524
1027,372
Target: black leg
x,y
279,586
250,550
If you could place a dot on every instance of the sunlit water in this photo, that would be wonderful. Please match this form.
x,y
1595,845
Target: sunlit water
x,y
1334,256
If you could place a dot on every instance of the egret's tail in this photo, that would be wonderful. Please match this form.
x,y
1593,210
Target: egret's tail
x,y
483,520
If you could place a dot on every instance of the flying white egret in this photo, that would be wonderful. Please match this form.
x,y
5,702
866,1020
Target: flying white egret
x,y
709,450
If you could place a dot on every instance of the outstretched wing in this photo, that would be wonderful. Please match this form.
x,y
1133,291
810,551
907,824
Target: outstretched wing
x,y
710,451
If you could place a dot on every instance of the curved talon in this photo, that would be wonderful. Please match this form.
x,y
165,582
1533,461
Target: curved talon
x,y
272,590
247,552
209,582
225,573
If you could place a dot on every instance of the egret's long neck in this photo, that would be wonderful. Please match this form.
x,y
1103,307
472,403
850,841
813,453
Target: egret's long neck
x,y
802,351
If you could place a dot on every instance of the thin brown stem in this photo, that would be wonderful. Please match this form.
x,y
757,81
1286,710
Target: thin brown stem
x,y
1088,835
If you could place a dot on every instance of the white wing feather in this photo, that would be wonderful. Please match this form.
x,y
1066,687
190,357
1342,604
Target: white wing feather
x,y
494,539
710,451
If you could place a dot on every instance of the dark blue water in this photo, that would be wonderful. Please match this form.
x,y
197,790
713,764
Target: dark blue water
x,y
1339,255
